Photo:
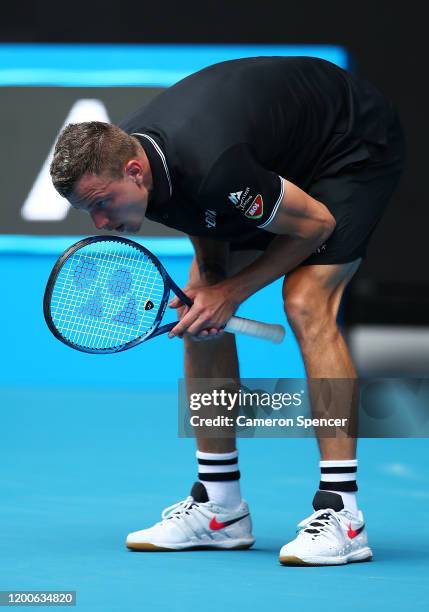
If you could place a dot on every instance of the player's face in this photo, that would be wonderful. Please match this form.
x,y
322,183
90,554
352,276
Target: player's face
x,y
114,205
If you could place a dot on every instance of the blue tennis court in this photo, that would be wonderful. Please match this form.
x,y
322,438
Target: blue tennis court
x,y
81,468
90,452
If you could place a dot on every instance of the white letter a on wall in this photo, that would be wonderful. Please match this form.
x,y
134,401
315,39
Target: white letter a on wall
x,y
43,202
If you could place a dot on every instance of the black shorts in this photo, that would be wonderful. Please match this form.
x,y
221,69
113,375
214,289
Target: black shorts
x,y
356,194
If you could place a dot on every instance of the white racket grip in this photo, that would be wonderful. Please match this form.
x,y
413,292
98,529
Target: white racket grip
x,y
265,331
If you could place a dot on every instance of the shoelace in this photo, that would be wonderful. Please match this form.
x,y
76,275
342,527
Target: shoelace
x,y
176,511
320,523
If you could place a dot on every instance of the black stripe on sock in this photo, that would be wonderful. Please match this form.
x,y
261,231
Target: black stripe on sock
x,y
338,470
348,486
218,461
221,476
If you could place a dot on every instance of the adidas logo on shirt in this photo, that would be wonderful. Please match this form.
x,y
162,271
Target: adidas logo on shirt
x,y
240,199
235,197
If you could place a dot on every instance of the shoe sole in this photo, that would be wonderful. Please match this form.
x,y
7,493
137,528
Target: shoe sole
x,y
147,547
291,560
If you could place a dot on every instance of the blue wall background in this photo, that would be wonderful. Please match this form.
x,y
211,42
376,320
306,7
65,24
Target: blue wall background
x,y
104,65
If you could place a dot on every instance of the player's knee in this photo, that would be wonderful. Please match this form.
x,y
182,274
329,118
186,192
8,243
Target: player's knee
x,y
310,316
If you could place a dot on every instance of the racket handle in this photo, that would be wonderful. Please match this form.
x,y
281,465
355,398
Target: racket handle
x,y
265,331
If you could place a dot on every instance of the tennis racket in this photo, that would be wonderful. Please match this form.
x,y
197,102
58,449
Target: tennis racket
x,y
107,294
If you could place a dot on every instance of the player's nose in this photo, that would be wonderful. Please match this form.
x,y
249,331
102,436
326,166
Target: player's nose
x,y
100,220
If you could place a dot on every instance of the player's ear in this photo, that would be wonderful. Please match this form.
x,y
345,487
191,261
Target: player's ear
x,y
133,170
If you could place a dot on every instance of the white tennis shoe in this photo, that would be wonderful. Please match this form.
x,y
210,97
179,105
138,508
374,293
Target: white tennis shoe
x,y
329,536
196,523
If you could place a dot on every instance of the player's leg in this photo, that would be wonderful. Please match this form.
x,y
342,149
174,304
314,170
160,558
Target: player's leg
x,y
214,515
211,359
217,455
335,534
312,296
216,359
357,189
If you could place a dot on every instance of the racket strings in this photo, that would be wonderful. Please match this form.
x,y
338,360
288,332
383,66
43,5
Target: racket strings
x,y
101,293
114,312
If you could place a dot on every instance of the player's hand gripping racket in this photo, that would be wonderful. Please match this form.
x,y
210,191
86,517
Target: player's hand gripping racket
x,y
106,294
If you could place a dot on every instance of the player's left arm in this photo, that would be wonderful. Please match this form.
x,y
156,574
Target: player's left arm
x,y
301,224
301,216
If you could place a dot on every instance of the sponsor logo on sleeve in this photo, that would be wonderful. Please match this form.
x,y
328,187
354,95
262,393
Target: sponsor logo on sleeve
x,y
235,197
256,209
240,199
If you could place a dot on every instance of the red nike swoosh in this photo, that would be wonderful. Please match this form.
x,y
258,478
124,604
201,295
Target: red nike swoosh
x,y
214,525
352,533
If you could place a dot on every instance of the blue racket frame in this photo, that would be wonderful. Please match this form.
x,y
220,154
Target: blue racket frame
x,y
157,330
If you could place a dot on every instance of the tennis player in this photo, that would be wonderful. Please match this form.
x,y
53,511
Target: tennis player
x,y
274,167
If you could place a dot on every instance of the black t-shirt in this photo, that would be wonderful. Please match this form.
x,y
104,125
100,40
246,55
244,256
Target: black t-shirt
x,y
220,140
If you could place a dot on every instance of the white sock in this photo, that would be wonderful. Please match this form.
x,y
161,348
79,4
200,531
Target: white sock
x,y
339,476
219,474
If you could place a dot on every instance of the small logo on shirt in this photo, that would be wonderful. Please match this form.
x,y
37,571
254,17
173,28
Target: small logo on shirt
x,y
256,209
235,197
210,218
240,199
322,248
